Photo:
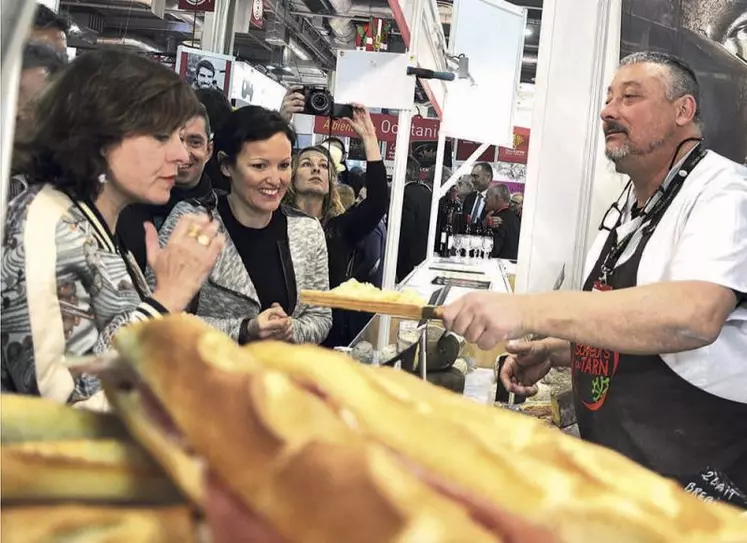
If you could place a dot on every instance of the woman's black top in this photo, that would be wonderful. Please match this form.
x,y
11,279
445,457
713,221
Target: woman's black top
x,y
344,232
259,250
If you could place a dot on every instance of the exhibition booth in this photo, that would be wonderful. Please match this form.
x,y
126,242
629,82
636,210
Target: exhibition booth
x,y
219,431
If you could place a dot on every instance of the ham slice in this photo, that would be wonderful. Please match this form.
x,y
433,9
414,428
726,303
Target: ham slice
x,y
231,521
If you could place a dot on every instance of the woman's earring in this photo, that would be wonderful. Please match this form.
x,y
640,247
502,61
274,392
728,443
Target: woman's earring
x,y
103,179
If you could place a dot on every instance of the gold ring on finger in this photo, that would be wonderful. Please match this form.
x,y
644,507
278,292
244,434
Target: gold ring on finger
x,y
194,231
203,239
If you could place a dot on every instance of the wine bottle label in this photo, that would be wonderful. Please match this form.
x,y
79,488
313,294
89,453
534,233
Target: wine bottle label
x,y
443,237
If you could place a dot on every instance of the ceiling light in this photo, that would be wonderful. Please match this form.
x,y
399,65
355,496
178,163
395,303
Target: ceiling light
x,y
288,69
528,31
270,67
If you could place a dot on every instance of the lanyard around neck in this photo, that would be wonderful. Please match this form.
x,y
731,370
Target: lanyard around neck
x,y
652,211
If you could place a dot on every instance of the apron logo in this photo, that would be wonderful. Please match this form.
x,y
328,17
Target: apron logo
x,y
593,370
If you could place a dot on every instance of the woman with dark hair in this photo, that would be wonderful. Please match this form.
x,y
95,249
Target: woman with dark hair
x,y
272,251
68,284
314,191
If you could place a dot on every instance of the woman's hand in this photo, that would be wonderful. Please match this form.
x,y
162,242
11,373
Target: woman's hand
x,y
272,323
293,102
364,127
183,264
528,362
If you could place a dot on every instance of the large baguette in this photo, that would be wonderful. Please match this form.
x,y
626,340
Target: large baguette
x,y
580,489
291,399
30,418
287,455
91,471
89,524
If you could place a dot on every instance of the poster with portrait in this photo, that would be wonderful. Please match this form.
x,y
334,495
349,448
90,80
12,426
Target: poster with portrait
x,y
204,69
710,36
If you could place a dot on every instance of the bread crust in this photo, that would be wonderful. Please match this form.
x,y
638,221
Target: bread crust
x,y
578,489
92,471
286,403
283,444
96,524
29,418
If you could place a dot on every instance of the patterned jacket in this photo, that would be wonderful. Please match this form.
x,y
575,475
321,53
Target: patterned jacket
x,y
66,290
229,296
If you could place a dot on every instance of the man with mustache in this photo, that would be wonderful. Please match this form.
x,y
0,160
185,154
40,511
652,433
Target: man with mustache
x,y
657,340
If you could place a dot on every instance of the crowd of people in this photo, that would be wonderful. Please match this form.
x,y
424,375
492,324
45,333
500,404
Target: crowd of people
x,y
125,206
128,205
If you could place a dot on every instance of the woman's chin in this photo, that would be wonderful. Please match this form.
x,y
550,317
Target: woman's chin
x,y
156,198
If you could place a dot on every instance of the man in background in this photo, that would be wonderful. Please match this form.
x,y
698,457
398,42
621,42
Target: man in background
x,y
218,111
40,62
416,208
51,29
503,221
517,204
474,203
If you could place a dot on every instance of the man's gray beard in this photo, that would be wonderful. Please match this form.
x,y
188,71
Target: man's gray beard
x,y
619,153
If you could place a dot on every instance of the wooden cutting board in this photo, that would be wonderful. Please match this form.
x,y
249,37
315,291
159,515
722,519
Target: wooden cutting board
x,y
395,309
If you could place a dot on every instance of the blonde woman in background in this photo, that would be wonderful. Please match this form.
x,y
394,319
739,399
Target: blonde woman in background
x,y
314,190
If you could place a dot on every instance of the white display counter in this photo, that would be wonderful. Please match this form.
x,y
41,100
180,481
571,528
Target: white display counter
x,y
464,276
384,337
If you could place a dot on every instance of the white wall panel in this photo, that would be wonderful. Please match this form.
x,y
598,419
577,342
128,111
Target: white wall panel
x,y
565,148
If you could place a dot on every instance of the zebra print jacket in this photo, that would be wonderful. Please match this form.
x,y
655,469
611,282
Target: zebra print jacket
x,y
66,290
228,298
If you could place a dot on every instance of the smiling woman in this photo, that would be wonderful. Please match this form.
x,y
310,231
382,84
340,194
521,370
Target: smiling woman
x,y
273,251
68,284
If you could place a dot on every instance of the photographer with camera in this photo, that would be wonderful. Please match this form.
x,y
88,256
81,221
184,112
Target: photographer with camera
x,y
314,191
293,102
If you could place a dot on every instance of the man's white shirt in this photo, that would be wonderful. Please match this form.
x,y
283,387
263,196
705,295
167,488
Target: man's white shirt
x,y
701,237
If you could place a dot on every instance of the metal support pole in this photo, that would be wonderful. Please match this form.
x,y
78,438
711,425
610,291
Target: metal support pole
x,y
436,192
394,222
217,31
395,216
423,352
467,165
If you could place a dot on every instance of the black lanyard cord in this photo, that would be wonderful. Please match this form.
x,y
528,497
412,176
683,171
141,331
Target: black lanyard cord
x,y
650,219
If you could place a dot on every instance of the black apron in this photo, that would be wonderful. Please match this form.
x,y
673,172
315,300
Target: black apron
x,y
637,405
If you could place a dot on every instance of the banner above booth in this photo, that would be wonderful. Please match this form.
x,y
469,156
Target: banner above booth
x,y
386,128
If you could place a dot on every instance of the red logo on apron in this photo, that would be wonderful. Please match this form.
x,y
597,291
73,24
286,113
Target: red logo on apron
x,y
594,368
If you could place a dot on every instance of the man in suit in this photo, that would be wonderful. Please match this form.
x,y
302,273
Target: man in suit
x,y
503,221
474,203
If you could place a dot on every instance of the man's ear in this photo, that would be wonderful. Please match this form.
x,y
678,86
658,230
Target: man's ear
x,y
225,168
687,108
210,148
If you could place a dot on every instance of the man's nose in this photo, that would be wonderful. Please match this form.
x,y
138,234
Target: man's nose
x,y
609,111
177,151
